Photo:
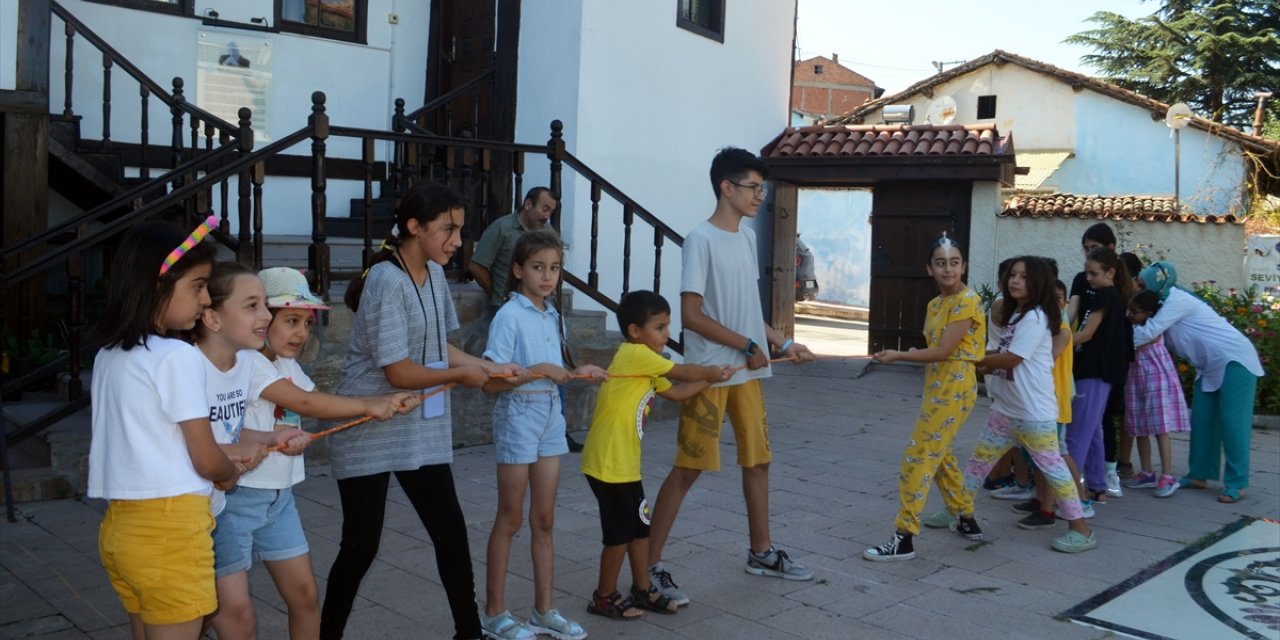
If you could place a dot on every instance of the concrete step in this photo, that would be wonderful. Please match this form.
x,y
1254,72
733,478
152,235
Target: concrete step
x,y
54,461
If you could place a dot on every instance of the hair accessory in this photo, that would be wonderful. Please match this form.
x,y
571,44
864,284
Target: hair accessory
x,y
287,289
945,241
191,241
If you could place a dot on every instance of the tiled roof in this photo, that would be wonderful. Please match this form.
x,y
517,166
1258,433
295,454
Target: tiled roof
x,y
1040,166
844,141
1144,208
1072,78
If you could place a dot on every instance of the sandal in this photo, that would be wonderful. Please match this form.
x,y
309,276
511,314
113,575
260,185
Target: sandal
x,y
1098,497
1192,483
1231,496
653,600
613,606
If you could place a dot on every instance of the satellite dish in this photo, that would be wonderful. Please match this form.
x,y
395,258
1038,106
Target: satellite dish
x,y
941,111
1178,116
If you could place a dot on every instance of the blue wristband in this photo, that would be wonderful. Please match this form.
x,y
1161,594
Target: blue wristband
x,y
750,349
786,345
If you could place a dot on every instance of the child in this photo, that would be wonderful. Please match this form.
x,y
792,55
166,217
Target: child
x,y
1104,349
721,314
954,330
528,433
153,455
398,341
235,319
1023,406
261,517
1154,402
611,456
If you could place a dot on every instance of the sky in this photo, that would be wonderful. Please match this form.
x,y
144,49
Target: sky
x,y
895,42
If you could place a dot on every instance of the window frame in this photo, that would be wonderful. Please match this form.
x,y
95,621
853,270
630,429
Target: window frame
x,y
360,35
992,99
711,33
184,8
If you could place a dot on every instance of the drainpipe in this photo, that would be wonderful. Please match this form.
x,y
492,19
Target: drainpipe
x,y
1259,113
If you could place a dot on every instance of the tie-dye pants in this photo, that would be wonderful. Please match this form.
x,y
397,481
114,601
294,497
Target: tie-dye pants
x,y
1040,439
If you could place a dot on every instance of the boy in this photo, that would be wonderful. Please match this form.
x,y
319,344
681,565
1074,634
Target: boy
x,y
721,313
611,457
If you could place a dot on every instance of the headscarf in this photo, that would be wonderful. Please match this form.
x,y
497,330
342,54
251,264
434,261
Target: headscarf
x,y
1159,277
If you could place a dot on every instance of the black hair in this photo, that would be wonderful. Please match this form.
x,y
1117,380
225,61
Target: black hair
x,y
1100,233
1132,263
137,295
1145,300
531,242
221,283
1060,286
732,163
424,202
1040,292
536,192
636,307
937,244
1002,269
1106,257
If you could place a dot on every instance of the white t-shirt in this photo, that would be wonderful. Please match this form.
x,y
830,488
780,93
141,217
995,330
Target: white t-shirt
x,y
721,266
228,391
138,451
277,471
1026,392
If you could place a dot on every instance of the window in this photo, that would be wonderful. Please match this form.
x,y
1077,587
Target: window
x,y
817,69
176,7
334,19
986,107
703,17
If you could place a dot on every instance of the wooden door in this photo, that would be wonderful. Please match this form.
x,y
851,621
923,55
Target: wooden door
x,y
782,305
462,48
906,217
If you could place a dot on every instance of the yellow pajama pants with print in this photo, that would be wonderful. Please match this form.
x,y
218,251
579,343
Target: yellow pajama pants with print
x,y
949,396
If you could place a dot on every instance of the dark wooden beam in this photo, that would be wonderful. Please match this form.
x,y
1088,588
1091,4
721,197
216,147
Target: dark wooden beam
x,y
33,46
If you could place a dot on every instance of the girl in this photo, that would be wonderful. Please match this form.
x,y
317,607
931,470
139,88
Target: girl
x,y
1104,349
955,333
261,516
398,341
1227,372
235,319
1154,404
153,455
1023,403
528,433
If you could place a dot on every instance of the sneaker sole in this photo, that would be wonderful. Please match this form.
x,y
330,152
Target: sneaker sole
x,y
1017,510
1142,486
1078,549
1166,495
770,573
494,636
1033,527
544,631
893,558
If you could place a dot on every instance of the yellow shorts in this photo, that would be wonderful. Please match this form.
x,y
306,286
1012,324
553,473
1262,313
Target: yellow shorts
x,y
702,416
159,556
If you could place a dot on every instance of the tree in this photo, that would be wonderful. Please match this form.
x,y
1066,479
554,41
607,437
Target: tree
x,y
1211,54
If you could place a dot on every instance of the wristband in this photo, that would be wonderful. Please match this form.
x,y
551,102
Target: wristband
x,y
750,349
786,345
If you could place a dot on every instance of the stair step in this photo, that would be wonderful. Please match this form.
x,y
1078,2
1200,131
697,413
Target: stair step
x,y
63,447
38,484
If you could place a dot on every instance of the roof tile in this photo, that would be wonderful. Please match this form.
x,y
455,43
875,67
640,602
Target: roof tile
x,y
1143,208
888,140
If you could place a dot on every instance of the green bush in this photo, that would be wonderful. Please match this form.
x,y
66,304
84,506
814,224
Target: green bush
x,y
1255,313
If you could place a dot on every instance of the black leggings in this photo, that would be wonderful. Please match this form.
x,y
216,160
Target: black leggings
x,y
364,500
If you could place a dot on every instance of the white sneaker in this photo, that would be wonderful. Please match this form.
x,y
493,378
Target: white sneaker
x,y
1113,485
661,578
1014,492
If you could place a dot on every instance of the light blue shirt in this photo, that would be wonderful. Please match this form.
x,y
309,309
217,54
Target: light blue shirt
x,y
526,335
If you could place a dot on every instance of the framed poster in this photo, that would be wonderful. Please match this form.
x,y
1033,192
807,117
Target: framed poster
x,y
233,70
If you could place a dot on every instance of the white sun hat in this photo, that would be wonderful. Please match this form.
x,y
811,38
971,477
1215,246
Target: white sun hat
x,y
287,289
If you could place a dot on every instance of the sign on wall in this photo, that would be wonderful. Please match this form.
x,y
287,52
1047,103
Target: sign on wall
x,y
1262,262
233,70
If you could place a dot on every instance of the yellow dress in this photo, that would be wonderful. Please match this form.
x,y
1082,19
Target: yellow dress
x,y
950,391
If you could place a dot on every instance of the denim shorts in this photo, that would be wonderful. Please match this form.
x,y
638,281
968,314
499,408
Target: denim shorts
x,y
528,426
261,522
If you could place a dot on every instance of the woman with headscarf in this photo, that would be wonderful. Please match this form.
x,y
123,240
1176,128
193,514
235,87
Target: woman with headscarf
x,y
1227,372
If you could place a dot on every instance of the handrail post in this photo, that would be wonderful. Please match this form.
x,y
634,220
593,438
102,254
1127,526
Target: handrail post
x,y
555,152
243,187
144,171
175,144
259,174
628,217
68,66
397,152
75,309
106,101
658,239
318,255
367,157
593,278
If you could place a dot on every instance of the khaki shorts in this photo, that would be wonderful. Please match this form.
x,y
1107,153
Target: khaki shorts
x,y
702,416
159,557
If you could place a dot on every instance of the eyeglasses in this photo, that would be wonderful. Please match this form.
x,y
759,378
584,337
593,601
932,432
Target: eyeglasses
x,y
759,189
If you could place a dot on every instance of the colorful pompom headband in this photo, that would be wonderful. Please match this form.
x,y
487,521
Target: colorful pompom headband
x,y
191,241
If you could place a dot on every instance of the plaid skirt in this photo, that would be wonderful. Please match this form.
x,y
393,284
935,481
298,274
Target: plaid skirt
x,y
1153,399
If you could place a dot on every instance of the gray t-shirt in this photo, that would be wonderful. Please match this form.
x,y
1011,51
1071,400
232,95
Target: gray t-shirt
x,y
396,321
721,266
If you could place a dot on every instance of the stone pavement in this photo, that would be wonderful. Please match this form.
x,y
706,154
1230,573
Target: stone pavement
x,y
837,439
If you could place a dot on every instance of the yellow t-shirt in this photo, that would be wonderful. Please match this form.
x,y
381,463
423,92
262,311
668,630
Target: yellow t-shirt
x,y
1063,384
612,450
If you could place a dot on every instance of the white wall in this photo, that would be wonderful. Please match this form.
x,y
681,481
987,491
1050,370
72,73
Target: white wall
x,y
984,251
647,104
1199,251
360,83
